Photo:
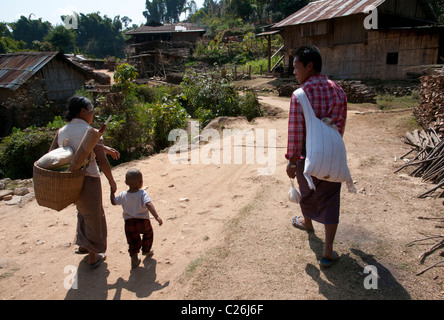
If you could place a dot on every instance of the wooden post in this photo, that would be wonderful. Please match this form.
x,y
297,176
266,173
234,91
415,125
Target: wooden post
x,y
269,52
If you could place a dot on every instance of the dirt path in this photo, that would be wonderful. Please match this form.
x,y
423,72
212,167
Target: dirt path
x,y
226,232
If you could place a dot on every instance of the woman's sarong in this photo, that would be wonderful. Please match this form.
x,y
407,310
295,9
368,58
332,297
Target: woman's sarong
x,y
91,223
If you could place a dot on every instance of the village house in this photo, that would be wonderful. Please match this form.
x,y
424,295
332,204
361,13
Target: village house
x,y
366,39
29,79
154,47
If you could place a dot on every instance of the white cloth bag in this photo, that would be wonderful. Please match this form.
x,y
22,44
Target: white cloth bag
x,y
293,194
56,158
326,157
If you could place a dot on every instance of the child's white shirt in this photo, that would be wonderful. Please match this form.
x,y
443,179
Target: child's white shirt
x,y
134,204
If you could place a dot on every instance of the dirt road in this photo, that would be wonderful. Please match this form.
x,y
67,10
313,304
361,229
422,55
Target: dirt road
x,y
227,231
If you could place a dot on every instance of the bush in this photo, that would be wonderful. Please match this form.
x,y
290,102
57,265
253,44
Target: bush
x,y
211,95
250,106
127,131
124,74
141,119
21,149
164,117
145,93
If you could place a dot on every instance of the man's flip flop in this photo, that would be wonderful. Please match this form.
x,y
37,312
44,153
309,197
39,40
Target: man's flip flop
x,y
324,262
82,251
99,262
295,222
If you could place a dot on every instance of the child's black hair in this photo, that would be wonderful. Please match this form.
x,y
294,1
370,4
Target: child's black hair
x,y
133,174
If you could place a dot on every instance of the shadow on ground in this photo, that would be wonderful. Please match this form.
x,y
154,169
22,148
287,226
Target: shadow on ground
x,y
91,284
346,279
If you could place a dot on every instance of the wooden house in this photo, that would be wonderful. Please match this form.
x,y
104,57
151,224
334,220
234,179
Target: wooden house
x,y
49,72
153,47
363,39
29,79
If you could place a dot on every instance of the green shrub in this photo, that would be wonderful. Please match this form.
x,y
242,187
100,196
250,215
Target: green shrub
x,y
21,149
142,119
145,93
57,123
211,95
164,117
250,106
127,131
124,74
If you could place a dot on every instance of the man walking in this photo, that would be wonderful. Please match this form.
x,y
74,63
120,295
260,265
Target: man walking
x,y
328,101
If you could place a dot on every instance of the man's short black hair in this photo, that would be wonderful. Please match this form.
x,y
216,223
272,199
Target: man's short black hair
x,y
308,54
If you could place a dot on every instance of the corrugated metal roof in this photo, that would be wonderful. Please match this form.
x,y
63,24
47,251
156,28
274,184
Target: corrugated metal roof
x,y
17,68
167,28
267,33
327,9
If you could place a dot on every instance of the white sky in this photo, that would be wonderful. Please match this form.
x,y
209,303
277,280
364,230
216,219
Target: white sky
x,y
51,11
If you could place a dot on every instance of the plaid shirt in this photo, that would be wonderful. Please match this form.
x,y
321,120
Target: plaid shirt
x,y
328,101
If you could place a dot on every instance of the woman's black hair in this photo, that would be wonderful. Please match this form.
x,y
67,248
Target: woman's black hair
x,y
75,105
308,54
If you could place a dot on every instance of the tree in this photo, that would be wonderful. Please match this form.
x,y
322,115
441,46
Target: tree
x,y
279,10
61,39
240,8
4,30
155,11
44,46
100,36
126,21
190,8
438,9
8,45
160,11
174,9
29,30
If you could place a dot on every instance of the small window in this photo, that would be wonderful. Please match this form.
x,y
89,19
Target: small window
x,y
392,58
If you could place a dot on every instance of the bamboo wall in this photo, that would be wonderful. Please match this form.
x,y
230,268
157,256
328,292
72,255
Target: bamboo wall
x,y
364,55
61,80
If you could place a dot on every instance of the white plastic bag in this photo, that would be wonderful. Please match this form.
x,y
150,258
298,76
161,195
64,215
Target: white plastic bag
x,y
326,157
293,194
56,158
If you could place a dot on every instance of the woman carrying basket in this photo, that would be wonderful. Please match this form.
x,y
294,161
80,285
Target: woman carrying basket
x,y
91,235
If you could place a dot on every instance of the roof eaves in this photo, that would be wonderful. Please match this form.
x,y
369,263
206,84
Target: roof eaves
x,y
17,68
327,9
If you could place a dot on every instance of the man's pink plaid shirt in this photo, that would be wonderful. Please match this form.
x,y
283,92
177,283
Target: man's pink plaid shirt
x,y
328,101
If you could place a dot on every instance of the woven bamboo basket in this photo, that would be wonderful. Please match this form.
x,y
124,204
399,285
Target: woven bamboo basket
x,y
57,190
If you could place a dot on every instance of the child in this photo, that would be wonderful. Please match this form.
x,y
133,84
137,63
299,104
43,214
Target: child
x,y
136,203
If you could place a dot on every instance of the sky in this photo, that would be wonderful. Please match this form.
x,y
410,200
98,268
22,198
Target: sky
x,y
52,10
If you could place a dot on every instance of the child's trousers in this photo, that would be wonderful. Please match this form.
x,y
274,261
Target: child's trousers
x,y
134,228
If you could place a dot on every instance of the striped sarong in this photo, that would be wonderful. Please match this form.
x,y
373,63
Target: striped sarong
x,y
91,223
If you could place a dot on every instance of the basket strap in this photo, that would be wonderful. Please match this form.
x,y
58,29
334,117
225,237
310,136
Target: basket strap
x,y
89,160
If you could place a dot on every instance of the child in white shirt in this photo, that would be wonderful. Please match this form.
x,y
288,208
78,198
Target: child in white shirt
x,y
136,204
